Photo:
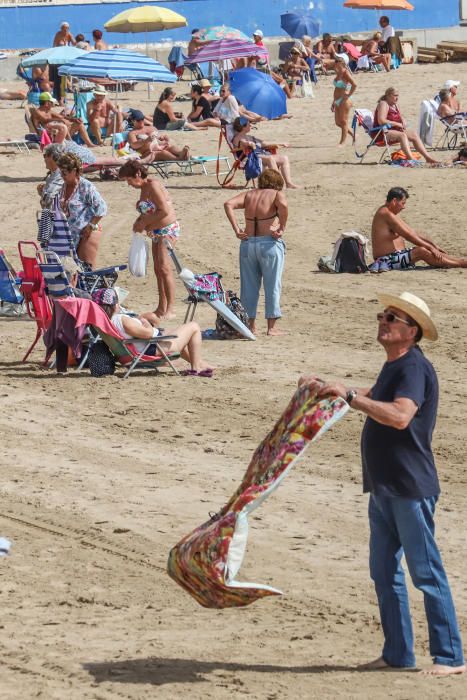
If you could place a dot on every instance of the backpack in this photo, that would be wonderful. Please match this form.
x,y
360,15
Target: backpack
x,y
224,330
253,166
349,254
100,360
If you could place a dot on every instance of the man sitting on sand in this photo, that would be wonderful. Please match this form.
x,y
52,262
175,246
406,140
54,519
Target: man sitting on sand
x,y
389,234
44,118
146,140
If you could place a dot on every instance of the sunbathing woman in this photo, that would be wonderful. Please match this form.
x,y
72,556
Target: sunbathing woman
x,y
187,343
157,217
266,151
344,87
387,114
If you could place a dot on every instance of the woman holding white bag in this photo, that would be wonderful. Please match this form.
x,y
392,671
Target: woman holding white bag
x,y
158,219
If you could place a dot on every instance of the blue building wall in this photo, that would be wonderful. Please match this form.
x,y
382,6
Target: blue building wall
x,y
28,27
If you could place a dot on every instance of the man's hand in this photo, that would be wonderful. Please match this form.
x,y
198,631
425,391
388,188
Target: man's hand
x,y
335,389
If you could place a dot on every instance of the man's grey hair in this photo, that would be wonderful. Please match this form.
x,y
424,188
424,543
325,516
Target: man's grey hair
x,y
54,150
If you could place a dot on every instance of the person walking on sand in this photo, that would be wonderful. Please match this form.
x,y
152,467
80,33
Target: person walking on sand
x,y
262,249
389,233
157,217
344,87
400,475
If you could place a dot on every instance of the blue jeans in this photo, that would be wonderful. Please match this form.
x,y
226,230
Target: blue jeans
x,y
406,526
261,260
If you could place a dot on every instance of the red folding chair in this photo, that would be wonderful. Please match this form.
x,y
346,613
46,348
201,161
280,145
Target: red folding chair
x,y
33,290
239,160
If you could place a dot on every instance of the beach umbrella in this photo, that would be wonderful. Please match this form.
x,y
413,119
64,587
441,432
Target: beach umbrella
x,y
57,56
226,48
147,18
296,24
119,65
221,32
258,92
379,5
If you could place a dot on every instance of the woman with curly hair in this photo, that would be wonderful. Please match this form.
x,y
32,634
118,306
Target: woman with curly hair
x,y
262,249
83,207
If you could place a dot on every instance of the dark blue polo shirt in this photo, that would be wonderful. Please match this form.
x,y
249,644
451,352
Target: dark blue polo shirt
x,y
400,462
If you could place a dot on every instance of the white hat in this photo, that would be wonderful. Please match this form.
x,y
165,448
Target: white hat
x,y
414,307
258,32
451,83
65,24
99,90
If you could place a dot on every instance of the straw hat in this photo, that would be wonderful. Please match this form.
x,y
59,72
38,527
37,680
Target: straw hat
x,y
204,82
99,90
414,307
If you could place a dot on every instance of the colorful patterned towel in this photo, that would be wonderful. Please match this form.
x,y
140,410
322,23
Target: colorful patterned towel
x,y
206,562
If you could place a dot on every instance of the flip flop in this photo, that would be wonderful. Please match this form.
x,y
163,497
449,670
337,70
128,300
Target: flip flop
x,y
194,373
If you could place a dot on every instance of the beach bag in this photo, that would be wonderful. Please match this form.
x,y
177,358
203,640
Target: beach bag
x,y
224,330
101,362
307,87
350,254
138,256
253,165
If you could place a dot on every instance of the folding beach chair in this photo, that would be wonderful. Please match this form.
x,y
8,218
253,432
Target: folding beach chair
x,y
165,168
32,288
239,160
11,299
20,145
364,118
86,312
455,132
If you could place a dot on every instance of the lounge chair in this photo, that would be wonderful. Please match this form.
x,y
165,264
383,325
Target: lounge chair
x,y
377,134
87,313
32,288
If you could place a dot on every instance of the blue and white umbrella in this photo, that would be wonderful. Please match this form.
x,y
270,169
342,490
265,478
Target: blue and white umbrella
x,y
118,64
298,24
56,56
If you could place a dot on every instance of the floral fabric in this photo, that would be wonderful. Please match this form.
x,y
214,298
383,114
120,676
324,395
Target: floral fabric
x,y
206,562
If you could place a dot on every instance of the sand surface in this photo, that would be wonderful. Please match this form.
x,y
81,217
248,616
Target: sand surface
x,y
100,478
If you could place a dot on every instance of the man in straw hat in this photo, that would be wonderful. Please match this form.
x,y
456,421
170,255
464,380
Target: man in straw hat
x,y
104,117
400,475
389,234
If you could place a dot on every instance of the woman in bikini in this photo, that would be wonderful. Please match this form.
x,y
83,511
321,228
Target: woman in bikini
x,y
157,217
262,249
388,114
344,87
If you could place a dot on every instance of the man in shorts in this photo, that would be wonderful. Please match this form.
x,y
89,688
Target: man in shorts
x,y
103,116
389,236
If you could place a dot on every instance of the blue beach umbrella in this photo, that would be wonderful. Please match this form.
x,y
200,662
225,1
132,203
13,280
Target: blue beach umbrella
x,y
258,92
56,56
118,64
296,24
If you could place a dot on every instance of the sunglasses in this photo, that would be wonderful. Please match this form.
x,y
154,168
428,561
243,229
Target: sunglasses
x,y
391,318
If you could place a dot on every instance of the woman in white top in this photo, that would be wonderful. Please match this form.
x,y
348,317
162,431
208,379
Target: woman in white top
x,y
187,341
227,109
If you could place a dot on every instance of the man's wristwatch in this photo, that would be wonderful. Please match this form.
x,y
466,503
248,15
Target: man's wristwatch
x,y
351,394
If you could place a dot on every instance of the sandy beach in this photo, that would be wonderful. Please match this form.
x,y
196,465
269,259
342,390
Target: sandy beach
x,y
101,477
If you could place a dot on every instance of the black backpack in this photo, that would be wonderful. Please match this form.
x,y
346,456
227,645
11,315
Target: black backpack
x,y
351,256
101,362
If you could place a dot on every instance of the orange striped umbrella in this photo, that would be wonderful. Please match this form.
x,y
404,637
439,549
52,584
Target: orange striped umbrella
x,y
379,4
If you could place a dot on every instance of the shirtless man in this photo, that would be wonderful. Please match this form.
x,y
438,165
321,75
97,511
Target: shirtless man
x,y
326,51
388,236
103,116
447,112
44,118
147,141
195,42
64,37
261,249
99,43
451,86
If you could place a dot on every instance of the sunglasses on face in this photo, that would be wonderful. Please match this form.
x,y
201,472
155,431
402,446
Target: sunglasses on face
x,y
391,318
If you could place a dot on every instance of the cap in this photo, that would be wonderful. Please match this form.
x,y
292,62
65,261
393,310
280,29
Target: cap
x,y
451,83
47,97
137,115
205,82
258,32
99,90
107,295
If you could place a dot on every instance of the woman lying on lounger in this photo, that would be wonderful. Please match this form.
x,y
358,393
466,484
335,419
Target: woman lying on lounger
x,y
187,343
387,114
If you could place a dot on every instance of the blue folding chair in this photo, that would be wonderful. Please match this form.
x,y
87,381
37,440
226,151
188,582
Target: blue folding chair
x,y
11,299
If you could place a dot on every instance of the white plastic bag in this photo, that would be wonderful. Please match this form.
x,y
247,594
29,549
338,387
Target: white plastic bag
x,y
138,255
307,87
